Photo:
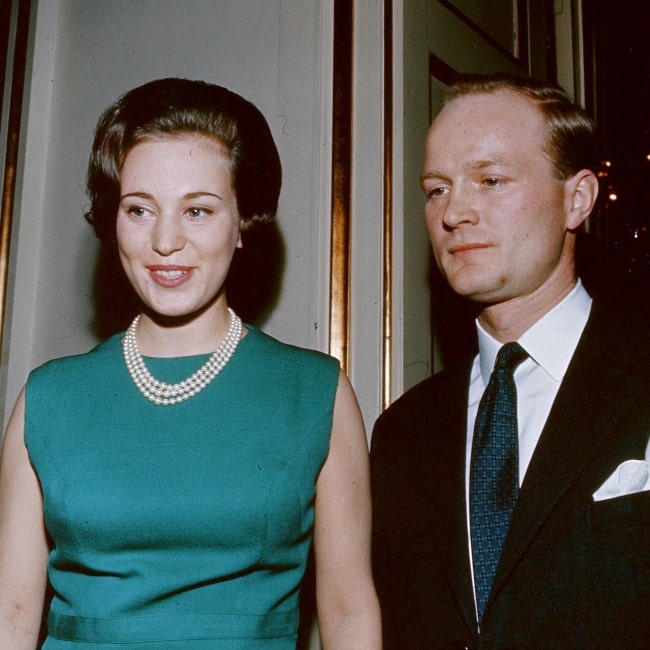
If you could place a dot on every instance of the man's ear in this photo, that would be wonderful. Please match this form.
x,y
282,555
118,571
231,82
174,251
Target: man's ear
x,y
581,194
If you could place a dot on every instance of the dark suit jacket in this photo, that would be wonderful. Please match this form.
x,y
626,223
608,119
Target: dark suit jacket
x,y
574,573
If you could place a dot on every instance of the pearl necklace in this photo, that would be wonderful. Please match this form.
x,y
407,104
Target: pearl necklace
x,y
163,394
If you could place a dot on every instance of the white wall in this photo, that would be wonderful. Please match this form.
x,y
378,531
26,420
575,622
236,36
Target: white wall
x,y
88,52
278,53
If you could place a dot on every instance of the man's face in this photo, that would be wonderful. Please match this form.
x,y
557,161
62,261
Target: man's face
x,y
497,217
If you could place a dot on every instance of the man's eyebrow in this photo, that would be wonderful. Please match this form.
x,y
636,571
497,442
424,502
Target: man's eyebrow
x,y
482,164
432,174
470,165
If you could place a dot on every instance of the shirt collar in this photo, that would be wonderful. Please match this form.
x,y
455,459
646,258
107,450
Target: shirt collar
x,y
551,341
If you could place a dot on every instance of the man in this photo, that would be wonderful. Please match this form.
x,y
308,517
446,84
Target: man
x,y
508,176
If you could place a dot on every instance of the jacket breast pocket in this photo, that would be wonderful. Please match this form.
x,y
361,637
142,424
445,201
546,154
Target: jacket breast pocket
x,y
628,511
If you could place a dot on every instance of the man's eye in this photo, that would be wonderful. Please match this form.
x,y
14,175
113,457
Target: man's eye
x,y
492,182
436,191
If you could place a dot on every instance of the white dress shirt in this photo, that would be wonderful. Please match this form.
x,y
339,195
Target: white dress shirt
x,y
550,344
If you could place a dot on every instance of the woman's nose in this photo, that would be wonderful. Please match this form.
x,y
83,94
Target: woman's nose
x,y
167,236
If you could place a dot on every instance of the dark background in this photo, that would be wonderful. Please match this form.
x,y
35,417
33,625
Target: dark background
x,y
620,51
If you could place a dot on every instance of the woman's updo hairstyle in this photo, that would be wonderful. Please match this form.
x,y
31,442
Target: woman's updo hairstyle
x,y
173,107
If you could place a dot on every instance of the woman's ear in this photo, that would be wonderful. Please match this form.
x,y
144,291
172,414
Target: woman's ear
x,y
581,194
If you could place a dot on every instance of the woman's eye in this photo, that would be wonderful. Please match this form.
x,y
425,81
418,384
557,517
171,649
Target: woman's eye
x,y
198,213
137,211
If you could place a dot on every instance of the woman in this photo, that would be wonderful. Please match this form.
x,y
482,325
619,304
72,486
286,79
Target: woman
x,y
170,481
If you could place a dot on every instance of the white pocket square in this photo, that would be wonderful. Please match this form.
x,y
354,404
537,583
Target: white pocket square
x,y
629,477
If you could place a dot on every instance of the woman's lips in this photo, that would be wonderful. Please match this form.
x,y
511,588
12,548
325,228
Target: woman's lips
x,y
170,276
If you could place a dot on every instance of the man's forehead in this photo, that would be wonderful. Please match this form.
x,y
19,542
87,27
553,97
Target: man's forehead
x,y
500,100
479,131
499,111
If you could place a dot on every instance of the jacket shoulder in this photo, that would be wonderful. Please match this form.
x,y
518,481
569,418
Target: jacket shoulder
x,y
425,403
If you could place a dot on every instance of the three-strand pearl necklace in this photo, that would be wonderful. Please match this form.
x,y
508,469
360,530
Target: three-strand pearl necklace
x,y
164,394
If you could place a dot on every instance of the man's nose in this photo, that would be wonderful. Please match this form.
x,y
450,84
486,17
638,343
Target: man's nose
x,y
460,209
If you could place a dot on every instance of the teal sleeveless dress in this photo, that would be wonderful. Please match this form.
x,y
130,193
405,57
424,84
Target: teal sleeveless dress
x,y
185,526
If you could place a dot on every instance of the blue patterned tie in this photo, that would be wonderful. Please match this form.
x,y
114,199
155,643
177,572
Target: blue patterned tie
x,y
494,470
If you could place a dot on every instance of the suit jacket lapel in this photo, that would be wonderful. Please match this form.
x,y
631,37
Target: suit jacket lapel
x,y
594,393
448,518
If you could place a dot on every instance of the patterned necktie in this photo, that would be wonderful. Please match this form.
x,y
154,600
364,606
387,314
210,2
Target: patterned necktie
x,y
494,470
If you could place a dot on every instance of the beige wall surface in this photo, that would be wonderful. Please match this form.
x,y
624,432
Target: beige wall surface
x,y
85,53
277,53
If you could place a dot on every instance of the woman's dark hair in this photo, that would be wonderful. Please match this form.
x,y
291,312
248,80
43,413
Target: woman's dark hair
x,y
570,143
171,107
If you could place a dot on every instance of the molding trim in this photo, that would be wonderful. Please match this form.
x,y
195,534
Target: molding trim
x,y
340,253
387,209
11,150
520,53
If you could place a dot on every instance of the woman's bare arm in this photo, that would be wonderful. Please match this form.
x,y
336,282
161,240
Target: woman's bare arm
x,y
348,610
23,542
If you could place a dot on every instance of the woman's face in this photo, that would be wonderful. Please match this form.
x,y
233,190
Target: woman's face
x,y
177,223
